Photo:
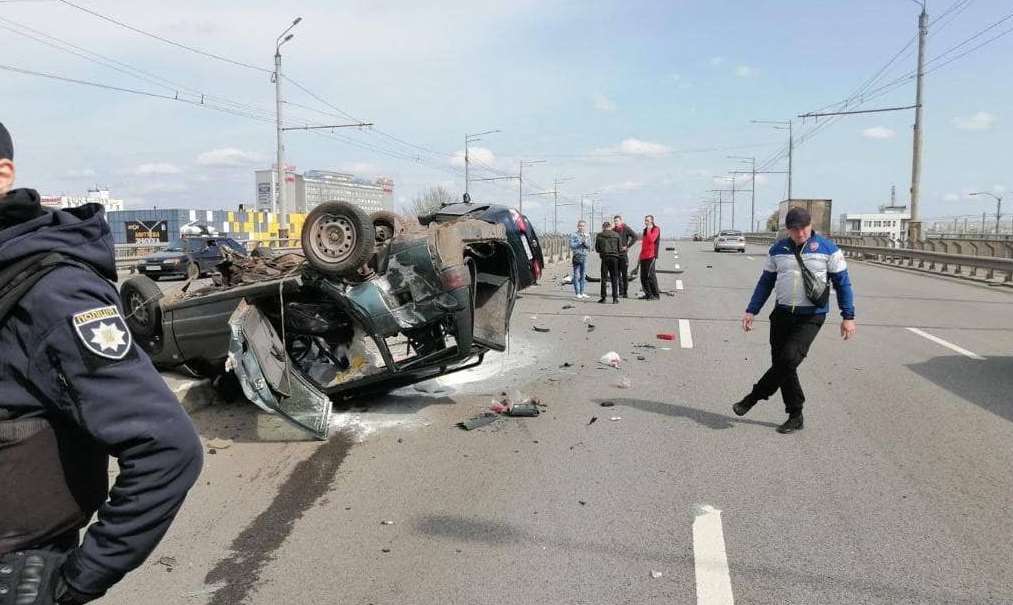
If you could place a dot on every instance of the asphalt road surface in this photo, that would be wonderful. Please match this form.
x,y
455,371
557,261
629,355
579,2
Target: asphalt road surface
x,y
897,491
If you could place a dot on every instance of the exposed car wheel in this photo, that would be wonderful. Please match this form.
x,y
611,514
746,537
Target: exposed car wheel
x,y
139,296
338,238
387,224
193,271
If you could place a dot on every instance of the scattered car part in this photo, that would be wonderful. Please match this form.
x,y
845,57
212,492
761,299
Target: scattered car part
x,y
338,238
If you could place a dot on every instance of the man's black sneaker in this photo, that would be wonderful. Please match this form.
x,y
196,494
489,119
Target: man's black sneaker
x,y
601,301
615,301
794,423
743,406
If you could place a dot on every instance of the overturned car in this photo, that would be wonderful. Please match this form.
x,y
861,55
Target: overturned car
x,y
372,303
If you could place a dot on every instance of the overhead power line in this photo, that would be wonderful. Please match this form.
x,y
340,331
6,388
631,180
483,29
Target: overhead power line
x,y
164,39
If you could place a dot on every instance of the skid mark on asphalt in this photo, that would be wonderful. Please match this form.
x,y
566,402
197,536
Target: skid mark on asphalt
x,y
713,582
236,577
948,345
685,334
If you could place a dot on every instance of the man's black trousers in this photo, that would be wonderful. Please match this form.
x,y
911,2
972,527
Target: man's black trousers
x,y
790,337
610,274
649,278
624,271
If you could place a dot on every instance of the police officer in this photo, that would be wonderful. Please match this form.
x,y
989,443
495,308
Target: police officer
x,y
804,256
74,390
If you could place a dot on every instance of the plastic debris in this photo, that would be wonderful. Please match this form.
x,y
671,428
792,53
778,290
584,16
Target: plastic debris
x,y
664,348
498,407
607,404
590,327
540,329
219,443
656,574
523,409
590,422
641,358
386,522
478,421
567,279
568,307
587,319
611,359
624,383
616,418
666,336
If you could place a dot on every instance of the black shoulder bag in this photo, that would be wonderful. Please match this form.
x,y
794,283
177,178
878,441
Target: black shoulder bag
x,y
817,291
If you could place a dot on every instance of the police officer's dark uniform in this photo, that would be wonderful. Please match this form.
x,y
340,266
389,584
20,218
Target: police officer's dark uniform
x,y
74,390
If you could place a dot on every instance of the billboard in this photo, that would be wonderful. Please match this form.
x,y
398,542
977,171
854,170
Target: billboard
x,y
147,232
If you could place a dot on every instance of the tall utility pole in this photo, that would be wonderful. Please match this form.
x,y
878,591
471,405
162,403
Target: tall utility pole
x,y
471,138
784,125
998,210
555,202
520,182
280,207
584,195
914,226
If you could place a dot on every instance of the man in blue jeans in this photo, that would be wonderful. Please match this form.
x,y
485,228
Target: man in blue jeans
x,y
580,245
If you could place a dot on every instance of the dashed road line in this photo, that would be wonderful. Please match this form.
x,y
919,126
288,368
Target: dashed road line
x,y
948,345
685,334
713,582
678,284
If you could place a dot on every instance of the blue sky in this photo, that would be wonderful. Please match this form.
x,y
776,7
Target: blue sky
x,y
624,98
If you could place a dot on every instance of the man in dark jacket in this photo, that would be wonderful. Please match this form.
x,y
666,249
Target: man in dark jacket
x,y
606,244
74,390
627,237
649,259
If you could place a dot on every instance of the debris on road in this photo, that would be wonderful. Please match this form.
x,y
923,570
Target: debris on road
x,y
566,364
384,550
565,307
385,522
611,359
220,444
167,562
582,503
616,418
540,329
567,279
666,336
670,248
710,266
478,421
656,574
608,404
644,345
641,358
587,319
431,387
523,410
590,422
590,327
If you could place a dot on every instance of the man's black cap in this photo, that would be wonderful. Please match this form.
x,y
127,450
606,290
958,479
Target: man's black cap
x,y
797,218
6,145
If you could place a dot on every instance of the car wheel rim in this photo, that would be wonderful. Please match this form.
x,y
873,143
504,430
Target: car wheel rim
x,y
333,238
138,310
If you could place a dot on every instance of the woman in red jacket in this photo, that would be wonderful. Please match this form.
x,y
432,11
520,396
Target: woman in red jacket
x,y
649,258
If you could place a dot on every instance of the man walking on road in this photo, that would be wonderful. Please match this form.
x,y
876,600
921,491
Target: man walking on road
x,y
649,259
607,246
580,245
798,269
627,237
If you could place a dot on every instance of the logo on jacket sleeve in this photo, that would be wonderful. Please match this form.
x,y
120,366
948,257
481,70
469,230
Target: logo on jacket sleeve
x,y
814,246
103,331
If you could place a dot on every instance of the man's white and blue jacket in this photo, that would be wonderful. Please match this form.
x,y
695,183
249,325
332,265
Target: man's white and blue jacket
x,y
782,275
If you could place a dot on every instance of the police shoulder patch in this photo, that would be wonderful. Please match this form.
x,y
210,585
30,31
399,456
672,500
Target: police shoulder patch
x,y
103,331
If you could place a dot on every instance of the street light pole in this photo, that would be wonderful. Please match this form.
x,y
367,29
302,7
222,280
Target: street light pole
x,y
780,125
998,210
914,225
471,138
280,205
520,182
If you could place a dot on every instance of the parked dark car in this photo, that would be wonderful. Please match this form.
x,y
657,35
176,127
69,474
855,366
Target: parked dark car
x,y
191,257
372,303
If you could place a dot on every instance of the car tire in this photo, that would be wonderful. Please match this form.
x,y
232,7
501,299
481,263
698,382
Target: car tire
x,y
139,296
387,225
193,270
338,238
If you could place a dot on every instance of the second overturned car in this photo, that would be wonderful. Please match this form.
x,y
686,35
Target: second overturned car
x,y
373,303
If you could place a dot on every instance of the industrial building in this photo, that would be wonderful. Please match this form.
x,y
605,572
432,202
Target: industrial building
x,y
98,195
304,192
891,221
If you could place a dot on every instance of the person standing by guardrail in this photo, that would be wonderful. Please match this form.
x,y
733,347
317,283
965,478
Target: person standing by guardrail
x,y
799,269
580,245
606,244
74,390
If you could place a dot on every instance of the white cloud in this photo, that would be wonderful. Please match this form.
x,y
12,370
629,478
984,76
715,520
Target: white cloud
x,y
717,61
633,146
951,197
479,155
698,172
745,71
154,168
80,173
625,186
603,103
978,121
229,157
879,132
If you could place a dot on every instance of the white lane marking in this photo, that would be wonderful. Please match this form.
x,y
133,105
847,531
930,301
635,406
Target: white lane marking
x,y
750,258
685,334
678,284
948,345
713,582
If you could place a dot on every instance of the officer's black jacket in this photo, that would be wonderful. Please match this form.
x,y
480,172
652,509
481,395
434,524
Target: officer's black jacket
x,y
120,408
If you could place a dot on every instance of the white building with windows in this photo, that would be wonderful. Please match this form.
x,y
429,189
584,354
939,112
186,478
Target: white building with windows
x,y
890,221
306,191
98,195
